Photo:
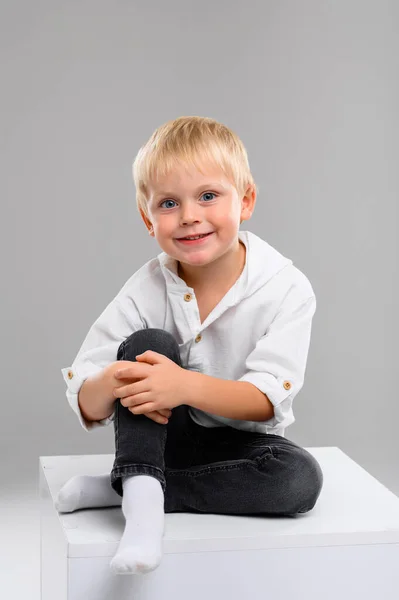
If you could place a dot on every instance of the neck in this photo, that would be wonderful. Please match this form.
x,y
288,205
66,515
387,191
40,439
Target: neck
x,y
219,274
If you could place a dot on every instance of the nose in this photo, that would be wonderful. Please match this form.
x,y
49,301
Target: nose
x,y
189,214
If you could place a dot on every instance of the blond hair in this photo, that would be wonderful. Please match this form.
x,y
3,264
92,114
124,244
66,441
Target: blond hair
x,y
190,140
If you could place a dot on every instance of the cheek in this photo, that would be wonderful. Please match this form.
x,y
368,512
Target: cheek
x,y
229,215
167,225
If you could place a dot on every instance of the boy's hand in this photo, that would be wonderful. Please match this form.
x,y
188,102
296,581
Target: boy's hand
x,y
159,416
159,383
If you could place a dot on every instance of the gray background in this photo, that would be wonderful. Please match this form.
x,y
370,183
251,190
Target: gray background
x,y
312,89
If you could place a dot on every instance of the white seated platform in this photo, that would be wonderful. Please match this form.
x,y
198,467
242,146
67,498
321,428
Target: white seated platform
x,y
347,547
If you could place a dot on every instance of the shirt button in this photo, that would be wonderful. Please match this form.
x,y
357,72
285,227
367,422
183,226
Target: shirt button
x,y
187,297
198,338
287,385
70,374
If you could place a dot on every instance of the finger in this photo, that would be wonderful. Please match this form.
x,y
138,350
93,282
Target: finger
x,y
156,416
166,412
123,373
133,393
135,370
136,398
140,409
125,393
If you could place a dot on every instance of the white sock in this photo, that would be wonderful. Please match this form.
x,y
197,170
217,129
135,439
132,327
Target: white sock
x,y
87,491
140,549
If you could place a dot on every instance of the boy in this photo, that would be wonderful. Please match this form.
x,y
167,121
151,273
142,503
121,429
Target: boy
x,y
213,334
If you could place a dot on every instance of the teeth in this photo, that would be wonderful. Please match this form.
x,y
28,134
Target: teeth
x,y
195,238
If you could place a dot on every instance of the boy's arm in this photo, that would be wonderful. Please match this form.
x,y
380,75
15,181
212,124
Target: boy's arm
x,y
274,371
88,378
95,397
232,399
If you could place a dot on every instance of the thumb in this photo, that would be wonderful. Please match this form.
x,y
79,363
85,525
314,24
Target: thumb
x,y
151,357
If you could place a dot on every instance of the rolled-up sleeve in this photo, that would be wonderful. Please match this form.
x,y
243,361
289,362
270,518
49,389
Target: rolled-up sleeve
x,y
99,349
277,364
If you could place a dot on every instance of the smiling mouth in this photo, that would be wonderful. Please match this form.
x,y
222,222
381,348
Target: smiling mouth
x,y
198,236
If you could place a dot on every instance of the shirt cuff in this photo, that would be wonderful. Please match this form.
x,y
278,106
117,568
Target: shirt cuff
x,y
280,392
74,383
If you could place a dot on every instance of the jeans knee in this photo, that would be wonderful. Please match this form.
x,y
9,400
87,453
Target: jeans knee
x,y
314,481
303,481
156,339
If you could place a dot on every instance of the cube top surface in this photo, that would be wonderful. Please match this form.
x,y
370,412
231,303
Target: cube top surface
x,y
353,508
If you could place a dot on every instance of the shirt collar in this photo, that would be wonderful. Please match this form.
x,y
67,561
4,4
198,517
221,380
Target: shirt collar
x,y
262,262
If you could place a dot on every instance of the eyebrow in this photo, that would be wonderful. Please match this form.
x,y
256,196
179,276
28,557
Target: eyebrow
x,y
205,185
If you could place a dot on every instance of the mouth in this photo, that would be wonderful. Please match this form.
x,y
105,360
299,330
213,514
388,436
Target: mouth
x,y
199,238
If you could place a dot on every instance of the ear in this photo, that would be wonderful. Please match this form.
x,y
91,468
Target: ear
x,y
147,222
248,203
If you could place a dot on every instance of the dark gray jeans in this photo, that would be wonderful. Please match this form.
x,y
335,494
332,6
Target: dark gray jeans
x,y
210,470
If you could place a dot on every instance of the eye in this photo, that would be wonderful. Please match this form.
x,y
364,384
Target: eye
x,y
209,194
204,194
166,201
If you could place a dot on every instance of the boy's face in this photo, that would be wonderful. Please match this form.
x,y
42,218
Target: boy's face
x,y
186,202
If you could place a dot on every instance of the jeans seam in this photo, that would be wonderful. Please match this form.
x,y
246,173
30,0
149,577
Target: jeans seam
x,y
121,351
269,450
116,421
139,469
121,467
198,470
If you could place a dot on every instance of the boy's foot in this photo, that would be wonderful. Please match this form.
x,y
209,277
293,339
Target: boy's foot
x,y
140,549
87,491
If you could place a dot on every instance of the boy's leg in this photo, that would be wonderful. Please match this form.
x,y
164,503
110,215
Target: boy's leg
x,y
138,471
240,472
93,491
140,441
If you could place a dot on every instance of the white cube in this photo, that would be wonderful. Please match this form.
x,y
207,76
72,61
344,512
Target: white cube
x,y
347,547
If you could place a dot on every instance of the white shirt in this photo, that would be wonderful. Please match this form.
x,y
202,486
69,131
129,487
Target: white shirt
x,y
259,332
